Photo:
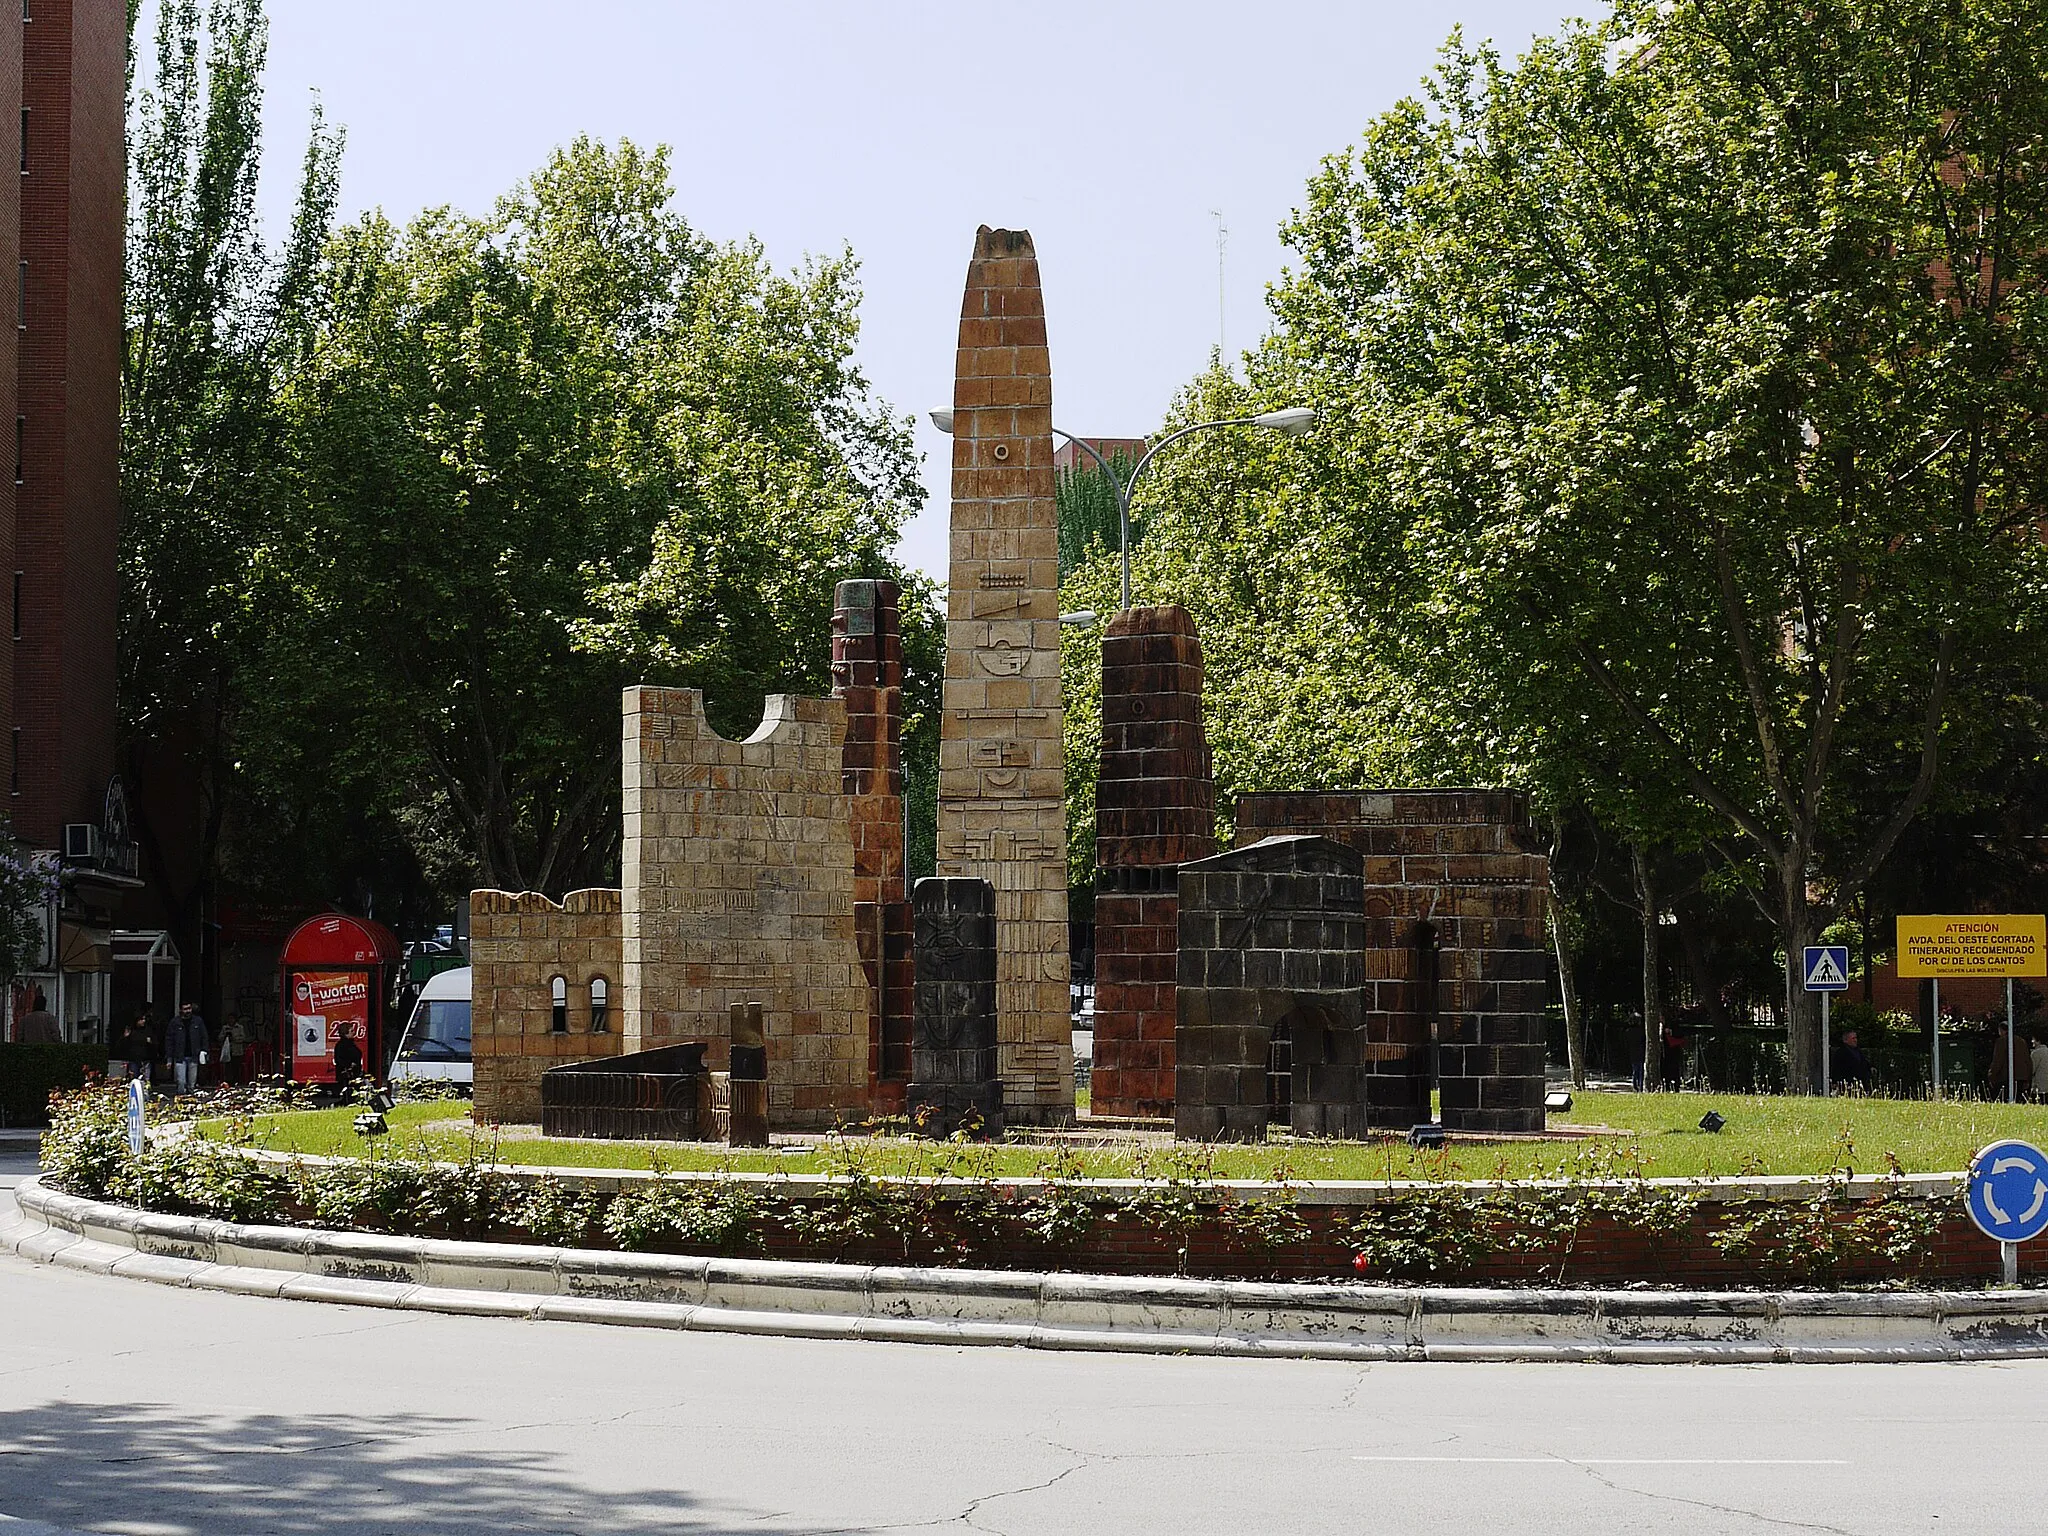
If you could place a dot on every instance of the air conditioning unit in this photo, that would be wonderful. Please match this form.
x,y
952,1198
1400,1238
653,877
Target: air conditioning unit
x,y
81,843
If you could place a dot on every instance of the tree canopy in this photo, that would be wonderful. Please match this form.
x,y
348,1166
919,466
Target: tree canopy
x,y
1682,451
409,505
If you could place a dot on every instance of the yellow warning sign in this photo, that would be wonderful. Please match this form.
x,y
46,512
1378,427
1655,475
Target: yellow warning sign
x,y
1974,944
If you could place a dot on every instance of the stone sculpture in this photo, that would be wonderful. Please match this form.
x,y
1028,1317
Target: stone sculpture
x,y
739,881
955,1077
867,676
1270,992
1454,935
1002,805
1155,809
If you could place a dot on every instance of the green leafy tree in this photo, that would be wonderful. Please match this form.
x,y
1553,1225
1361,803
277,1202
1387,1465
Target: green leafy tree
x,y
213,317
1686,381
570,447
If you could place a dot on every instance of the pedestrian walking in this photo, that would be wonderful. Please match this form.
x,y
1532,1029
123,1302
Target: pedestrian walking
x,y
2037,1057
187,1044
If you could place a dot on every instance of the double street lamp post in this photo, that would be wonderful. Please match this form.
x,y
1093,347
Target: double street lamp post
x,y
1293,421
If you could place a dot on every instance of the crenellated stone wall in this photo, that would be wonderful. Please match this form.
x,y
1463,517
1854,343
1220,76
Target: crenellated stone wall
x,y
518,944
738,868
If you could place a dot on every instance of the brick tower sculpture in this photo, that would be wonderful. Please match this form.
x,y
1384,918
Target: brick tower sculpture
x,y
867,675
1002,805
1155,809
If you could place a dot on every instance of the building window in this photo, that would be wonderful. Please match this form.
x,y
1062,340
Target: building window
x,y
20,441
24,141
558,998
600,1006
21,300
17,605
24,11
14,764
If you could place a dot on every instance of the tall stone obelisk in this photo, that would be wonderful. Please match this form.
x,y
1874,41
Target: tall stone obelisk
x,y
1002,789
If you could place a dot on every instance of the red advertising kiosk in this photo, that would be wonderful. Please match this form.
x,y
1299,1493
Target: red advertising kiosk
x,y
337,973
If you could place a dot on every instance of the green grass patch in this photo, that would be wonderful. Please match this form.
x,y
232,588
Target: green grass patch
x,y
1658,1136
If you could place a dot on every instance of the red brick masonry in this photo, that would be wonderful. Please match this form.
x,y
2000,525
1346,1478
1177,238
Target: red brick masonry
x,y
1601,1252
1155,809
867,673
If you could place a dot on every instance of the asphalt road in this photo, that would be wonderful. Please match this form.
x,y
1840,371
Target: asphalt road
x,y
132,1408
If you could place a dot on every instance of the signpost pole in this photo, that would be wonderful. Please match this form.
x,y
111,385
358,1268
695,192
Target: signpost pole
x,y
2011,1091
2009,1257
1825,1086
1937,1037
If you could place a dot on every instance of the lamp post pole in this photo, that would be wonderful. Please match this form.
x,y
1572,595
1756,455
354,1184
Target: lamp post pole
x,y
1293,420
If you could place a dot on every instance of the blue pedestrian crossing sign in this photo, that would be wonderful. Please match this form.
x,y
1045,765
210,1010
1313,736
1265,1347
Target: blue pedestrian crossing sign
x,y
2009,1191
1827,967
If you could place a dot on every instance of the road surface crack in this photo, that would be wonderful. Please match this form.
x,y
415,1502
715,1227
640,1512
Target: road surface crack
x,y
1719,1509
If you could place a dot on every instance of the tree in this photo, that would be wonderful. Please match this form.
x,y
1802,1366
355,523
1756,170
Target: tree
x,y
541,456
1685,388
212,317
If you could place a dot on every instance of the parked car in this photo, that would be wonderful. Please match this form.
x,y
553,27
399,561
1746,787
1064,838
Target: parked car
x,y
436,1042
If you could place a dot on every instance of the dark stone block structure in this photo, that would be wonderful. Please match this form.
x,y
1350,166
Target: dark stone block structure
x,y
646,1095
956,1077
1271,992
1454,894
1155,809
867,675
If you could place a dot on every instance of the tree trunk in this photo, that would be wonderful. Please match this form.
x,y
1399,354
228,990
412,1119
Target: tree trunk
x,y
1653,1008
1568,995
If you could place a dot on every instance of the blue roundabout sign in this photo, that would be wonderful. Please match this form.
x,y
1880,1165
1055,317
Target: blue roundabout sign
x,y
2009,1191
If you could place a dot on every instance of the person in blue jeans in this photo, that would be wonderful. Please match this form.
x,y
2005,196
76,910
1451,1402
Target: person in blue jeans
x,y
186,1044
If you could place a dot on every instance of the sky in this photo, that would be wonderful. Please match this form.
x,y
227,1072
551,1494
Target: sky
x,y
1116,132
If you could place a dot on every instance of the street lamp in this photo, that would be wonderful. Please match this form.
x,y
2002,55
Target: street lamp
x,y
1292,420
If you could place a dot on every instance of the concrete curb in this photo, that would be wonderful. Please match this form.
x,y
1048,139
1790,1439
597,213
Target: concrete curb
x,y
1040,1311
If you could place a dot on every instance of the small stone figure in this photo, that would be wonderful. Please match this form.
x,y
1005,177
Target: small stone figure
x,y
955,1081
747,1119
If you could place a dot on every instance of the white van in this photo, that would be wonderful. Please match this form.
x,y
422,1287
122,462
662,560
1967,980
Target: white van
x,y
436,1043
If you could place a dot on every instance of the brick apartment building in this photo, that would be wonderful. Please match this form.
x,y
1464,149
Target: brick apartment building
x,y
62,79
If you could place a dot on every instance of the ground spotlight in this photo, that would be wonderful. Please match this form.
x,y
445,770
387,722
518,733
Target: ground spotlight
x,y
1557,1103
371,1124
1426,1136
1711,1121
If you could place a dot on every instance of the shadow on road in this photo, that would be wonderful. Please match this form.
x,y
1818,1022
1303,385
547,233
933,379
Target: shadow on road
x,y
158,1470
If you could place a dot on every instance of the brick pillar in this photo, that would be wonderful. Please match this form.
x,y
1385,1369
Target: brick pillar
x,y
1155,809
1002,769
867,675
955,1078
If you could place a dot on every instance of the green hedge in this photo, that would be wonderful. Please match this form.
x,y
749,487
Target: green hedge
x,y
29,1073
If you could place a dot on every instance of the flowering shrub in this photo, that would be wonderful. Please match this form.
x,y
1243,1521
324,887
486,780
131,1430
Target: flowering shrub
x,y
1439,1231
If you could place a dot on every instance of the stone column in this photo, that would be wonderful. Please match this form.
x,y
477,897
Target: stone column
x,y
1155,809
867,676
955,1081
1002,790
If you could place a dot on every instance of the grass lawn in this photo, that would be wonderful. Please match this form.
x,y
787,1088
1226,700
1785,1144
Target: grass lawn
x,y
1658,1133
